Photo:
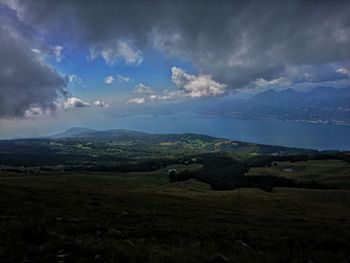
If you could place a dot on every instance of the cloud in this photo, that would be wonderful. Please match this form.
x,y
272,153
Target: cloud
x,y
190,86
74,79
252,39
311,74
109,80
26,81
33,112
121,78
36,51
279,82
160,97
257,39
143,89
75,102
197,86
136,101
113,51
343,71
100,104
57,51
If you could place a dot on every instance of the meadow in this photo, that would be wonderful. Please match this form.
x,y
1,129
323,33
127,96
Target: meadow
x,y
332,172
109,197
141,217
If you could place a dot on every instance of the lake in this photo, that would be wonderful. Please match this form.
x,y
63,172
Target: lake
x,y
284,133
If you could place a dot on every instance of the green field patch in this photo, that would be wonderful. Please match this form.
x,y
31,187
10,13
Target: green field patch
x,y
317,170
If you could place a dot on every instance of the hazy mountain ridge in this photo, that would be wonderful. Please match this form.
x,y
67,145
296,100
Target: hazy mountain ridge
x,y
80,132
322,104
72,132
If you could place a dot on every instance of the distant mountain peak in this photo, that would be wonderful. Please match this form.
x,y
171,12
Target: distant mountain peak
x,y
78,129
72,132
265,94
80,132
289,90
323,89
269,91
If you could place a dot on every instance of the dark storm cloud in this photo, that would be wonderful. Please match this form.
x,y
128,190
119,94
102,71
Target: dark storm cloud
x,y
26,82
236,42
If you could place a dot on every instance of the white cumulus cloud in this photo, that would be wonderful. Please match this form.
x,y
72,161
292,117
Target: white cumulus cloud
x,y
119,50
36,51
136,101
143,89
279,82
57,51
74,79
100,103
109,80
75,102
33,112
159,97
121,78
197,86
344,71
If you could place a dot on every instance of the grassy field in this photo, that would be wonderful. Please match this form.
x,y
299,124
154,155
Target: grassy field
x,y
140,217
333,172
119,147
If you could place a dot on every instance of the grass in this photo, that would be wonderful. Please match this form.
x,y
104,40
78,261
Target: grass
x,y
334,172
140,217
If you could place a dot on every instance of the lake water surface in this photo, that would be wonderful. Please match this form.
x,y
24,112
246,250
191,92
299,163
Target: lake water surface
x,y
284,133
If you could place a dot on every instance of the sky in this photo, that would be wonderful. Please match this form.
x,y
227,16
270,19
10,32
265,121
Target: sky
x,y
70,62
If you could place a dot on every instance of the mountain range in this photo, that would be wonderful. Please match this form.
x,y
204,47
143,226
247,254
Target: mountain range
x,y
321,104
